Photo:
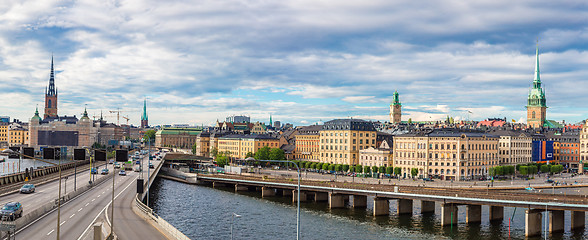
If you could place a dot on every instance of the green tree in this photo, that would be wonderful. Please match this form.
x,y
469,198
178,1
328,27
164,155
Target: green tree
x,y
149,136
263,153
249,154
492,171
414,172
222,159
338,167
214,152
544,168
194,148
397,171
375,169
524,170
325,166
332,167
410,121
318,166
345,167
312,166
382,169
359,169
390,170
499,170
276,154
367,169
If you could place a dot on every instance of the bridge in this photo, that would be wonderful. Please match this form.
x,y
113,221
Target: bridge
x,y
356,196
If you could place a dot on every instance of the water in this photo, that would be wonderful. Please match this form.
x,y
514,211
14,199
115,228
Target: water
x,y
10,165
205,213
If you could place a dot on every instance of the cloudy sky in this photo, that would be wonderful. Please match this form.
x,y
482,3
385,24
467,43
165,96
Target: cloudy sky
x,y
300,61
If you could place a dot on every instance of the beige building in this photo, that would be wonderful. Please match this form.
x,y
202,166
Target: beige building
x,y
341,140
514,147
307,143
203,144
449,154
177,137
62,131
238,145
381,156
258,128
18,135
583,146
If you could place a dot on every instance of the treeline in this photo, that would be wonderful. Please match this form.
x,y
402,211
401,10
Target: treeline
x,y
525,169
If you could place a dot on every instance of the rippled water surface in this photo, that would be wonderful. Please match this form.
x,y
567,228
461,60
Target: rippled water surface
x,y
206,213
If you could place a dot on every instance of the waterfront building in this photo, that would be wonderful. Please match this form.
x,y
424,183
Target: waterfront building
x,y
536,102
62,131
381,156
144,118
18,134
177,137
238,145
203,144
307,143
514,147
566,149
341,140
395,109
450,154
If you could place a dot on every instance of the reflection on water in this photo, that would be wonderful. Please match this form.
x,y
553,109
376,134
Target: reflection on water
x,y
205,213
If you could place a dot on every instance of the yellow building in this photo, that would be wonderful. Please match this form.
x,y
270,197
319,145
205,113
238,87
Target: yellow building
x,y
238,145
381,156
4,132
308,143
449,154
203,144
341,140
18,136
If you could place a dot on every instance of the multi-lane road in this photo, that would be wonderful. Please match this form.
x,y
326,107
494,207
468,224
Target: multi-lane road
x,y
80,213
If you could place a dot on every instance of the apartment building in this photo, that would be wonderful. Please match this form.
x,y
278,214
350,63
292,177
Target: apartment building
x,y
307,143
514,147
238,145
381,156
341,140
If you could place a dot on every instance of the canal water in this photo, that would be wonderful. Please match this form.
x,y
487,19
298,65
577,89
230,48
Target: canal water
x,y
206,213
10,165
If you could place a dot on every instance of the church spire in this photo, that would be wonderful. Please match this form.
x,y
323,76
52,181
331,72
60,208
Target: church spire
x,y
144,116
537,79
51,91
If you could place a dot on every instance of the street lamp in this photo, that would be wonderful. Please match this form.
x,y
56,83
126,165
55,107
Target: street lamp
x,y
298,193
10,151
232,220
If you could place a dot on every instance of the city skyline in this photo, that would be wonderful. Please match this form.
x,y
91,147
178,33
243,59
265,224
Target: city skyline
x,y
301,62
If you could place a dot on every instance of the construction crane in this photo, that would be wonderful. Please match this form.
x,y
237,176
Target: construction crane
x,y
118,112
127,118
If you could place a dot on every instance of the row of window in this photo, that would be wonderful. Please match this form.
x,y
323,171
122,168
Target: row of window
x,y
346,134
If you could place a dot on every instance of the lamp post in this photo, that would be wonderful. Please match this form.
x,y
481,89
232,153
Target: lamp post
x,y
148,164
298,194
233,216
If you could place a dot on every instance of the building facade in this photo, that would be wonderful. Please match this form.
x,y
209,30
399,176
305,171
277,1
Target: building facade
x,y
203,144
379,157
583,146
4,133
18,135
514,147
536,102
449,154
395,109
238,145
307,143
341,140
177,137
62,131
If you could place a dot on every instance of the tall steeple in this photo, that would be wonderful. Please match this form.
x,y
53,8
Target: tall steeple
x,y
536,102
271,123
395,109
51,95
144,118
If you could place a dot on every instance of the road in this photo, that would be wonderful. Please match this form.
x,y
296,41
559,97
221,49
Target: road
x,y
48,192
80,213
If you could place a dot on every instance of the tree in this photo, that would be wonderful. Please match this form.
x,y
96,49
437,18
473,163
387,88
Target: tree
x,y
194,148
544,168
338,167
222,159
359,169
499,170
532,169
263,153
149,136
390,170
397,171
249,154
318,166
331,167
214,152
326,166
375,169
276,154
414,172
367,169
410,121
345,167
382,169
492,171
312,166
524,170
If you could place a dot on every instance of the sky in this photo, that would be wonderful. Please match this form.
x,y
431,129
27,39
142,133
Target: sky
x,y
302,62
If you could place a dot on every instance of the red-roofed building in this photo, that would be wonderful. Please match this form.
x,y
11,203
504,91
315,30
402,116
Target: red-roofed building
x,y
492,122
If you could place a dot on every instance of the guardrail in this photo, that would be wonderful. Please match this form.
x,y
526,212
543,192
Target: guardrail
x,y
161,223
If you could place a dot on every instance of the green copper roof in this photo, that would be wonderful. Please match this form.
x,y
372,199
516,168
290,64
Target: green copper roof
x,y
144,116
36,117
85,116
396,99
552,124
536,94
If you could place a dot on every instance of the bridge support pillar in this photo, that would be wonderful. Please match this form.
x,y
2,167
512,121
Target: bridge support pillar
x,y
404,206
239,188
321,196
295,196
217,184
533,222
381,206
359,201
556,221
336,200
267,192
474,214
448,214
427,206
578,220
286,192
496,213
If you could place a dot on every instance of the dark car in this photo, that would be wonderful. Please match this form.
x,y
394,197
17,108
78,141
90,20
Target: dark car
x,y
549,181
11,211
94,171
428,180
27,188
151,165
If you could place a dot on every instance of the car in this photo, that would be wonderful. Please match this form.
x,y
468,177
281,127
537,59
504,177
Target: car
x,y
27,188
549,181
137,168
116,165
11,211
111,162
94,171
104,171
138,162
151,165
122,173
428,180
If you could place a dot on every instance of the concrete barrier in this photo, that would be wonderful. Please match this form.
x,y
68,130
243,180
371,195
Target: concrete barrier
x,y
147,213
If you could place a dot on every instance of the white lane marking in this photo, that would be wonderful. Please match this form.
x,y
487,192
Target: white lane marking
x,y
103,192
115,197
94,199
80,209
62,223
72,215
99,195
52,230
87,204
